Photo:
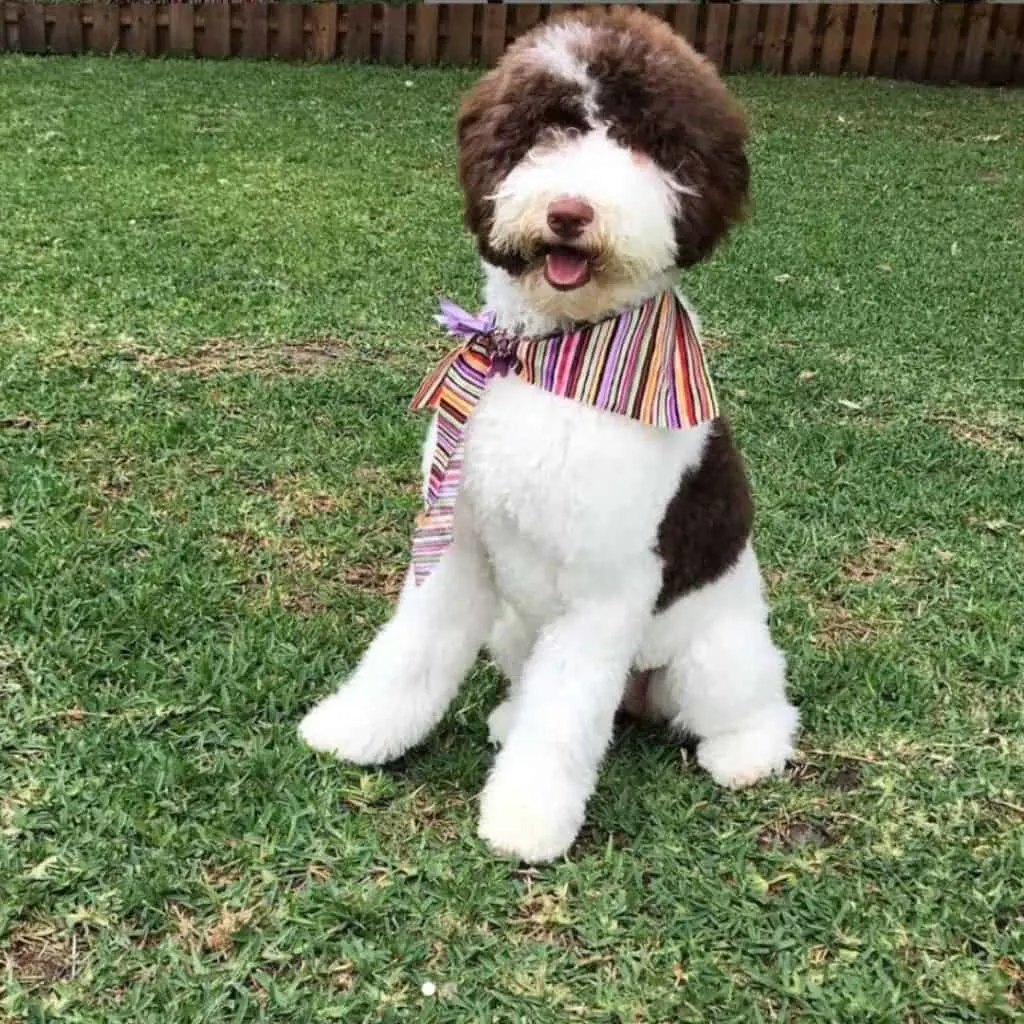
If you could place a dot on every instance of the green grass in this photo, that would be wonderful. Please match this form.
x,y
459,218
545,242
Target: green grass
x,y
216,283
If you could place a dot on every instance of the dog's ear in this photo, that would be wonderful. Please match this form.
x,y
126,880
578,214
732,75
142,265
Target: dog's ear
x,y
718,171
481,162
666,100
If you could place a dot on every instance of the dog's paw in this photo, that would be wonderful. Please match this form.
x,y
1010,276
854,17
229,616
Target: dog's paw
x,y
499,723
354,727
532,819
741,758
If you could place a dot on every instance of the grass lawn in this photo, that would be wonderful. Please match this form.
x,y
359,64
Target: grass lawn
x,y
216,283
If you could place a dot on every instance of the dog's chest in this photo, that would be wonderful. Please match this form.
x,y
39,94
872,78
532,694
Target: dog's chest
x,y
553,484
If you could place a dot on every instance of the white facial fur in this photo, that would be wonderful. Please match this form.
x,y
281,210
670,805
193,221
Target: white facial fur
x,y
632,234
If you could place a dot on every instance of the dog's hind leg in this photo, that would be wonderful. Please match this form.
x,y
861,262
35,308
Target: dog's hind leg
x,y
724,680
415,665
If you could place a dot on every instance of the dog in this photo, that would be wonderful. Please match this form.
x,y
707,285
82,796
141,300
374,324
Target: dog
x,y
601,561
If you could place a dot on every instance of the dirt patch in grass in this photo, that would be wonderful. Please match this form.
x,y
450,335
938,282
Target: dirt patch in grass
x,y
439,814
219,876
999,432
314,874
225,355
217,937
20,422
594,840
299,575
295,578
544,916
837,625
879,558
1007,809
298,498
114,485
220,936
1014,971
342,975
39,955
793,834
291,552
844,777
385,579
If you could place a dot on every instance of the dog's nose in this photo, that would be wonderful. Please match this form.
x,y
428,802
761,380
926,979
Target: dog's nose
x,y
567,216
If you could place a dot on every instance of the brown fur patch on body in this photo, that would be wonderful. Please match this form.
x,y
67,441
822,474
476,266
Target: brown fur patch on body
x,y
708,521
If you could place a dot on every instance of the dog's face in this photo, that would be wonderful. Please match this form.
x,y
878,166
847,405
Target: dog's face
x,y
602,153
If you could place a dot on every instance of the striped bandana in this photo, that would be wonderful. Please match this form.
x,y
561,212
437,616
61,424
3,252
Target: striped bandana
x,y
646,363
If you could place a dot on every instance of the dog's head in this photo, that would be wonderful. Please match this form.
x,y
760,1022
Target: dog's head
x,y
599,155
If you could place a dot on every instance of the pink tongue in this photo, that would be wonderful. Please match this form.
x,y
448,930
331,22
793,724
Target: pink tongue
x,y
566,268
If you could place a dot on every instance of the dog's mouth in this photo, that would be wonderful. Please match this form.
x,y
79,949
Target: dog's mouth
x,y
566,268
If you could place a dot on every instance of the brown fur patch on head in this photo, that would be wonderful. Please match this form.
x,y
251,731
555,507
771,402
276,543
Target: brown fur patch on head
x,y
508,111
663,99
654,92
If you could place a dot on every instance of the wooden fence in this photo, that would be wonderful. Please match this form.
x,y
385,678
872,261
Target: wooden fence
x,y
939,42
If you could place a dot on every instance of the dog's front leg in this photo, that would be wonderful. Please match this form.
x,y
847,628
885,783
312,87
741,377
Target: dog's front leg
x,y
561,721
414,667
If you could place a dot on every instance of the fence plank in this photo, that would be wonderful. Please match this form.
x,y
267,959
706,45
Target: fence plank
x,y
9,35
358,30
255,30
805,34
32,28
862,45
66,35
459,44
887,42
181,30
947,42
979,24
105,30
287,41
744,32
524,17
215,40
684,18
424,40
393,42
1006,44
140,38
833,40
1017,75
776,35
322,43
919,34
492,36
716,37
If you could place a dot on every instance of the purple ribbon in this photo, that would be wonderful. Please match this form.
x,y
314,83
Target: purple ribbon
x,y
461,323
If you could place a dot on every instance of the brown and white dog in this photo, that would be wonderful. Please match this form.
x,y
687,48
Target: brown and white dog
x,y
601,155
